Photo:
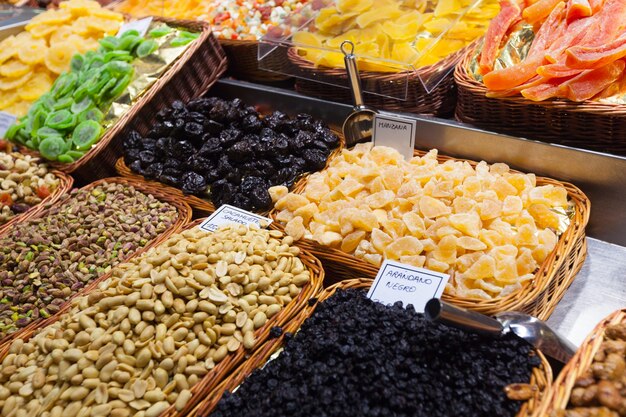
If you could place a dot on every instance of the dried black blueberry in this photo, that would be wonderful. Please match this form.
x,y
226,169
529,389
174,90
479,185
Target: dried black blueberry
x,y
178,105
133,140
193,183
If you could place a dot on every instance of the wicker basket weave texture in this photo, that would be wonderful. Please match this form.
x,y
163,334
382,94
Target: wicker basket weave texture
x,y
541,376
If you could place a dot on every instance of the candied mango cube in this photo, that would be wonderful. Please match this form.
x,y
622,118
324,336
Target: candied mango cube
x,y
415,260
352,240
277,192
295,228
484,267
544,217
407,245
431,207
468,223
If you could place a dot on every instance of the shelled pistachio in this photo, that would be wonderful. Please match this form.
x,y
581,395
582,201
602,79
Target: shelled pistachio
x,y
147,335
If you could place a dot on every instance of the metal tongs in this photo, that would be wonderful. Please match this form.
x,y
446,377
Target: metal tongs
x,y
532,330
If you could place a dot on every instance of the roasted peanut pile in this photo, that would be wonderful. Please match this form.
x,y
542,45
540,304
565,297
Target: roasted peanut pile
x,y
488,227
601,390
24,183
46,260
139,343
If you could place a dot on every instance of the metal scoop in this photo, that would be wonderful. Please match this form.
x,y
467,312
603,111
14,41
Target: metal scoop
x,y
359,126
532,330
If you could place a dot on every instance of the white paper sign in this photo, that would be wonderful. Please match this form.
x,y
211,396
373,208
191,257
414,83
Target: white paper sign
x,y
6,120
411,285
140,26
395,132
227,214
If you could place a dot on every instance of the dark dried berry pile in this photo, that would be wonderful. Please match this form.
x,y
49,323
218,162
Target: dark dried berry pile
x,y
354,357
230,149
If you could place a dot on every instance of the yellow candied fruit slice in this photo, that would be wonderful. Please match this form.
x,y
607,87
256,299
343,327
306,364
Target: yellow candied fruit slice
x,y
358,6
32,52
39,84
59,56
352,240
19,108
12,83
42,31
7,48
7,98
49,18
14,68
61,34
378,14
307,39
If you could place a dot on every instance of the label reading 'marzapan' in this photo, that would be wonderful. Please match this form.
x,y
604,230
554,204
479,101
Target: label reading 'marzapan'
x,y
227,214
409,284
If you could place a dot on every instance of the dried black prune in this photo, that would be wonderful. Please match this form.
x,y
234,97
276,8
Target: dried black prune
x,y
133,140
212,127
195,117
321,145
131,155
260,198
170,180
212,147
194,131
248,184
251,123
146,158
149,144
174,172
177,105
154,170
136,167
329,137
315,159
172,163
241,151
193,183
161,129
229,137
184,149
240,200
222,192
199,164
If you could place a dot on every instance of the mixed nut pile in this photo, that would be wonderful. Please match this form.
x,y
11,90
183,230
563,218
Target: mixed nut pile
x,y
229,152
147,335
46,260
601,390
356,357
24,183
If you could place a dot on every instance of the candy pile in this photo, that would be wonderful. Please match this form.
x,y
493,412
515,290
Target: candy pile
x,y
577,52
24,183
355,357
413,33
46,260
488,227
229,151
31,60
230,19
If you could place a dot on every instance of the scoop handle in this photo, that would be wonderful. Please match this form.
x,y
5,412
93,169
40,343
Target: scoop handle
x,y
441,312
353,74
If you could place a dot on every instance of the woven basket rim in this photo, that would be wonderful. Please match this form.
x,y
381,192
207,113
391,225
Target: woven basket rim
x,y
559,394
144,98
541,375
184,215
513,301
465,81
65,185
223,368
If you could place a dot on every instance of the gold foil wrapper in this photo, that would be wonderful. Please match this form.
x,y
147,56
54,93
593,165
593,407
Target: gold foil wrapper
x,y
147,72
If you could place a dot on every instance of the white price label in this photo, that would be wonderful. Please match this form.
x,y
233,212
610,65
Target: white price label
x,y
411,285
227,214
140,26
395,132
6,120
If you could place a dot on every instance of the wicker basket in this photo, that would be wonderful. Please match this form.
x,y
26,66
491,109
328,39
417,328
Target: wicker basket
x,y
538,298
205,206
65,184
190,76
160,193
589,125
559,394
243,62
541,376
224,368
438,102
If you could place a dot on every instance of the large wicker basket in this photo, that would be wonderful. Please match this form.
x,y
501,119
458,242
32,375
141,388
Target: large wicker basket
x,y
538,298
203,205
589,125
190,76
243,62
224,368
65,184
159,192
560,392
382,87
541,376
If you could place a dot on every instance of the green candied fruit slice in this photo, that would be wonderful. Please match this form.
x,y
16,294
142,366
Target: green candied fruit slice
x,y
121,85
109,43
128,43
190,35
76,64
146,47
76,155
131,32
12,130
82,105
64,84
104,92
160,32
119,68
63,103
180,41
51,148
61,120
91,114
47,132
97,87
65,159
35,122
86,134
117,56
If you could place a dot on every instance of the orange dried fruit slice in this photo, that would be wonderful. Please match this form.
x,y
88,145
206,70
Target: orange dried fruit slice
x,y
14,68
39,84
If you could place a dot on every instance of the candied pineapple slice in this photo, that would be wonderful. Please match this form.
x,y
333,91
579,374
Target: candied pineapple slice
x,y
32,52
12,83
59,56
356,6
14,68
39,84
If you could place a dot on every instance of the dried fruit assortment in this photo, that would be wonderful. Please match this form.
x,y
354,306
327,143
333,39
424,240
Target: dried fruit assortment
x,y
229,19
577,51
67,121
228,151
488,227
600,391
46,260
357,357
31,60
139,343
414,33
24,183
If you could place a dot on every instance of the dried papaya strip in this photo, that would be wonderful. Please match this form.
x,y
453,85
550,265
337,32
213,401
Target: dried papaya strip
x,y
608,24
536,80
539,11
577,9
598,56
558,70
543,91
511,77
591,82
550,30
596,5
574,33
510,12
